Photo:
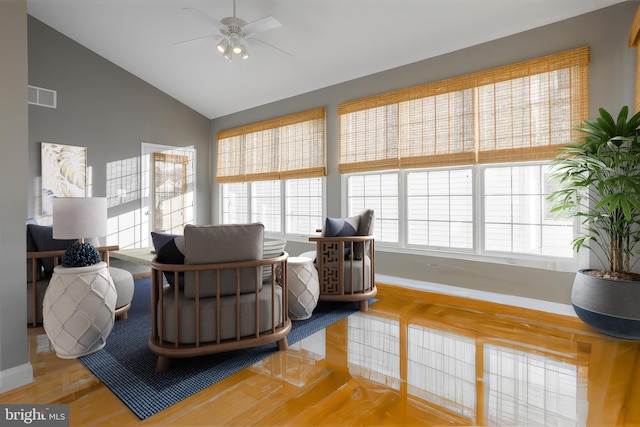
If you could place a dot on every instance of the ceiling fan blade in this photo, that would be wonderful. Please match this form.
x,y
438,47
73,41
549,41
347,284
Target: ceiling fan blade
x,y
270,45
214,36
262,24
201,15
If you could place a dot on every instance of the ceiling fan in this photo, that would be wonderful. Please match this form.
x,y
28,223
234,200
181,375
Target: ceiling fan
x,y
235,33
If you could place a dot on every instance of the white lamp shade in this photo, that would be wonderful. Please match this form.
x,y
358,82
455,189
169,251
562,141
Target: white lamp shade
x,y
79,217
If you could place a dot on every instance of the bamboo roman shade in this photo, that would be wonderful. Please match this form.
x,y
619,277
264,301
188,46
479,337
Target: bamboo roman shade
x,y
286,147
517,112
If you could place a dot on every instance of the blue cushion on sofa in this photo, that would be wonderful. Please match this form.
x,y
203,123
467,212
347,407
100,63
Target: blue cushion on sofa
x,y
43,238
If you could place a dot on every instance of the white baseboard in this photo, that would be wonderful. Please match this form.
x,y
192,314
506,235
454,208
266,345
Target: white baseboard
x,y
531,303
15,377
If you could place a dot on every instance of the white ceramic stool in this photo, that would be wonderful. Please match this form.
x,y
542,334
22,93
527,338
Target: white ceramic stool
x,y
78,309
304,289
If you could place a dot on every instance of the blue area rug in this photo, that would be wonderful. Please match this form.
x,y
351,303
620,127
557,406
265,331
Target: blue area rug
x,y
127,366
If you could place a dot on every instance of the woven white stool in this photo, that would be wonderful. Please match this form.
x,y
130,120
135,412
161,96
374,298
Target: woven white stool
x,y
304,289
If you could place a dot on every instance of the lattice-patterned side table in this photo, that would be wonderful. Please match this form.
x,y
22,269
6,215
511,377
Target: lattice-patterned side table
x,y
304,289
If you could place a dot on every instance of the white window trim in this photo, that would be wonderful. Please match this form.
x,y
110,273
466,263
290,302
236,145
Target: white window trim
x,y
289,236
580,260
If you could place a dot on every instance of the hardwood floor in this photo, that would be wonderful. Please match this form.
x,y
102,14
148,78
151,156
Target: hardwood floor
x,y
415,358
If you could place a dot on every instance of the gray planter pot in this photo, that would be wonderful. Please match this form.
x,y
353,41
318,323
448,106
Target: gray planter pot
x,y
609,306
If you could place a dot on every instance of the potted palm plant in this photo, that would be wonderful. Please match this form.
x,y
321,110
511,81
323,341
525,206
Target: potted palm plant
x,y
597,181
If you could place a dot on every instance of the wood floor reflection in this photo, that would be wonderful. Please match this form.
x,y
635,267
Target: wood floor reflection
x,y
415,358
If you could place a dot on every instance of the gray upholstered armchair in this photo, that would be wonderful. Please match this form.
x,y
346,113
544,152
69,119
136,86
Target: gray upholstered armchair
x,y
345,259
219,299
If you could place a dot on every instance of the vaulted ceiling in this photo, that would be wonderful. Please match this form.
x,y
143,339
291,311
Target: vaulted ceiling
x,y
325,42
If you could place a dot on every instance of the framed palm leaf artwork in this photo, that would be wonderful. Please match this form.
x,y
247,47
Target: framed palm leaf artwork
x,y
64,173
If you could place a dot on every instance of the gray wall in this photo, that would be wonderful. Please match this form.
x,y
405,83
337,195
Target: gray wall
x,y
14,357
101,107
109,111
611,86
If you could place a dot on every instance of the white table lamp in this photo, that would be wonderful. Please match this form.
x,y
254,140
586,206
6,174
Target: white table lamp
x,y
79,218
79,303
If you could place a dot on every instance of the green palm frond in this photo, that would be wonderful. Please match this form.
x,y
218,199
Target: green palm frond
x,y
597,180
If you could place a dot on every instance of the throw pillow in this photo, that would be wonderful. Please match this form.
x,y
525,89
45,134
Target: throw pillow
x,y
172,252
161,239
272,249
335,227
43,238
365,228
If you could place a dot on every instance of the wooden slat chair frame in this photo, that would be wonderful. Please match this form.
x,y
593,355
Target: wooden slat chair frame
x,y
330,262
165,350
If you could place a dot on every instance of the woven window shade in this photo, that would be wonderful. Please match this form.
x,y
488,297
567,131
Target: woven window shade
x,y
526,110
517,112
282,148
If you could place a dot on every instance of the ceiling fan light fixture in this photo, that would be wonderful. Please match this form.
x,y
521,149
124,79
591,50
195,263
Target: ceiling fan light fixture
x,y
244,53
237,45
228,53
222,46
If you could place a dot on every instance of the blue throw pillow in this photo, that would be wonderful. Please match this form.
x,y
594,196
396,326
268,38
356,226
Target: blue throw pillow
x,y
336,227
161,239
43,238
365,228
172,252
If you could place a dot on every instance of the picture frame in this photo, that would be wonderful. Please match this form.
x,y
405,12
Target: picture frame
x,y
64,173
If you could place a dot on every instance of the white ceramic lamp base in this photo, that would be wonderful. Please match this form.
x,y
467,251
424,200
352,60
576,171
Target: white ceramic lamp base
x,y
78,309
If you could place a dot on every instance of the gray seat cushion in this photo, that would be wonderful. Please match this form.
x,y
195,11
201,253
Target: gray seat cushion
x,y
208,322
357,275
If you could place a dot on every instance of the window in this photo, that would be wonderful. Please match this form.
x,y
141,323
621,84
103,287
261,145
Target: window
x,y
272,172
468,156
292,206
172,204
440,208
303,205
235,203
265,205
380,193
516,213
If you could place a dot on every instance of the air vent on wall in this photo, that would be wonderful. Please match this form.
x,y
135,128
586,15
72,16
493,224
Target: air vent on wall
x,y
42,97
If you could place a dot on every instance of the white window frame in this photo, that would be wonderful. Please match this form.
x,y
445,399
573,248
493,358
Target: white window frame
x,y
569,264
283,210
